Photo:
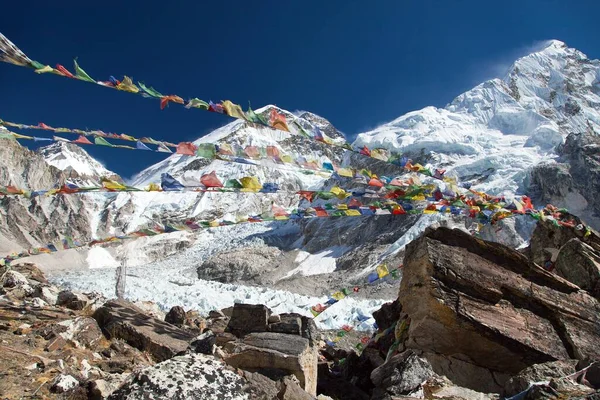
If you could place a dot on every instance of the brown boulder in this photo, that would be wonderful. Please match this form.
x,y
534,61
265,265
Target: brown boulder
x,y
176,316
276,353
123,320
247,318
481,312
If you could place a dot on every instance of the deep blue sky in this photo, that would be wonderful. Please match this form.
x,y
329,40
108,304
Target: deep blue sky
x,y
357,63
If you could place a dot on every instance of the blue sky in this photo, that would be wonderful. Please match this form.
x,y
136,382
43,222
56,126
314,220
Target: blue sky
x,y
357,63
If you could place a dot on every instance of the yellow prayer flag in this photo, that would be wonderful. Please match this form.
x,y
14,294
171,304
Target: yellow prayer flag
x,y
233,110
112,185
338,296
251,183
213,224
286,158
353,213
44,70
339,192
153,187
346,172
382,270
127,85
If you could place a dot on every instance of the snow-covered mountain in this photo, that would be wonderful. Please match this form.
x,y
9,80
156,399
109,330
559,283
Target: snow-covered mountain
x,y
493,135
503,136
75,163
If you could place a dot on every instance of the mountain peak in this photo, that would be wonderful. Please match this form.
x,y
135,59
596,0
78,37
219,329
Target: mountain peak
x,y
75,162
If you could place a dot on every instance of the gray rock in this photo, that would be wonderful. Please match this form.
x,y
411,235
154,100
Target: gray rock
x,y
47,293
122,320
579,263
63,384
402,374
82,332
186,377
290,390
246,318
290,324
216,314
538,373
176,316
72,300
204,343
274,319
13,279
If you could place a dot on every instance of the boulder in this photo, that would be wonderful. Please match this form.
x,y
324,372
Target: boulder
x,y
275,355
216,314
55,344
72,300
122,320
402,374
538,373
82,332
273,319
47,293
13,279
190,377
63,384
101,389
290,390
176,316
579,263
247,318
288,323
387,315
481,312
204,343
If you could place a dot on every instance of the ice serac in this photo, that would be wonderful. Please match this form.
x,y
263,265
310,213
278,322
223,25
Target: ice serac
x,y
493,134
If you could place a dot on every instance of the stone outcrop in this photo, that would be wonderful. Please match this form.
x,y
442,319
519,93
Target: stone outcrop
x,y
481,312
246,318
123,320
190,376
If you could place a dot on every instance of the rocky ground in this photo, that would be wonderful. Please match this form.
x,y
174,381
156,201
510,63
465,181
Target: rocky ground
x,y
473,320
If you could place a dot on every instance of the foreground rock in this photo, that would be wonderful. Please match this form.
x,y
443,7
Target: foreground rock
x,y
481,312
122,320
191,376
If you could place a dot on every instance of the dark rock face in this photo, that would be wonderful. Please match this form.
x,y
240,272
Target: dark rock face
x,y
388,314
575,181
123,320
579,263
401,375
246,318
204,343
481,312
176,316
74,301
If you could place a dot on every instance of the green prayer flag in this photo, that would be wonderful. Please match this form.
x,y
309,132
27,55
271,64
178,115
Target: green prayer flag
x,y
341,333
254,117
233,183
150,91
101,141
206,150
37,65
197,103
81,74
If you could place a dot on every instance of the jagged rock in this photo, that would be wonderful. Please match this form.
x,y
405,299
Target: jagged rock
x,y
82,332
175,316
290,390
204,343
72,300
55,344
122,320
47,293
39,303
547,239
247,318
481,311
224,338
290,324
387,315
190,377
271,352
261,387
538,373
51,330
13,279
579,263
216,314
64,383
23,329
101,389
240,265
402,374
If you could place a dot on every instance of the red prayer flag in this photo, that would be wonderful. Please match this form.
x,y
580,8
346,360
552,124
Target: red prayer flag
x,y
64,71
365,151
211,180
82,140
186,148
